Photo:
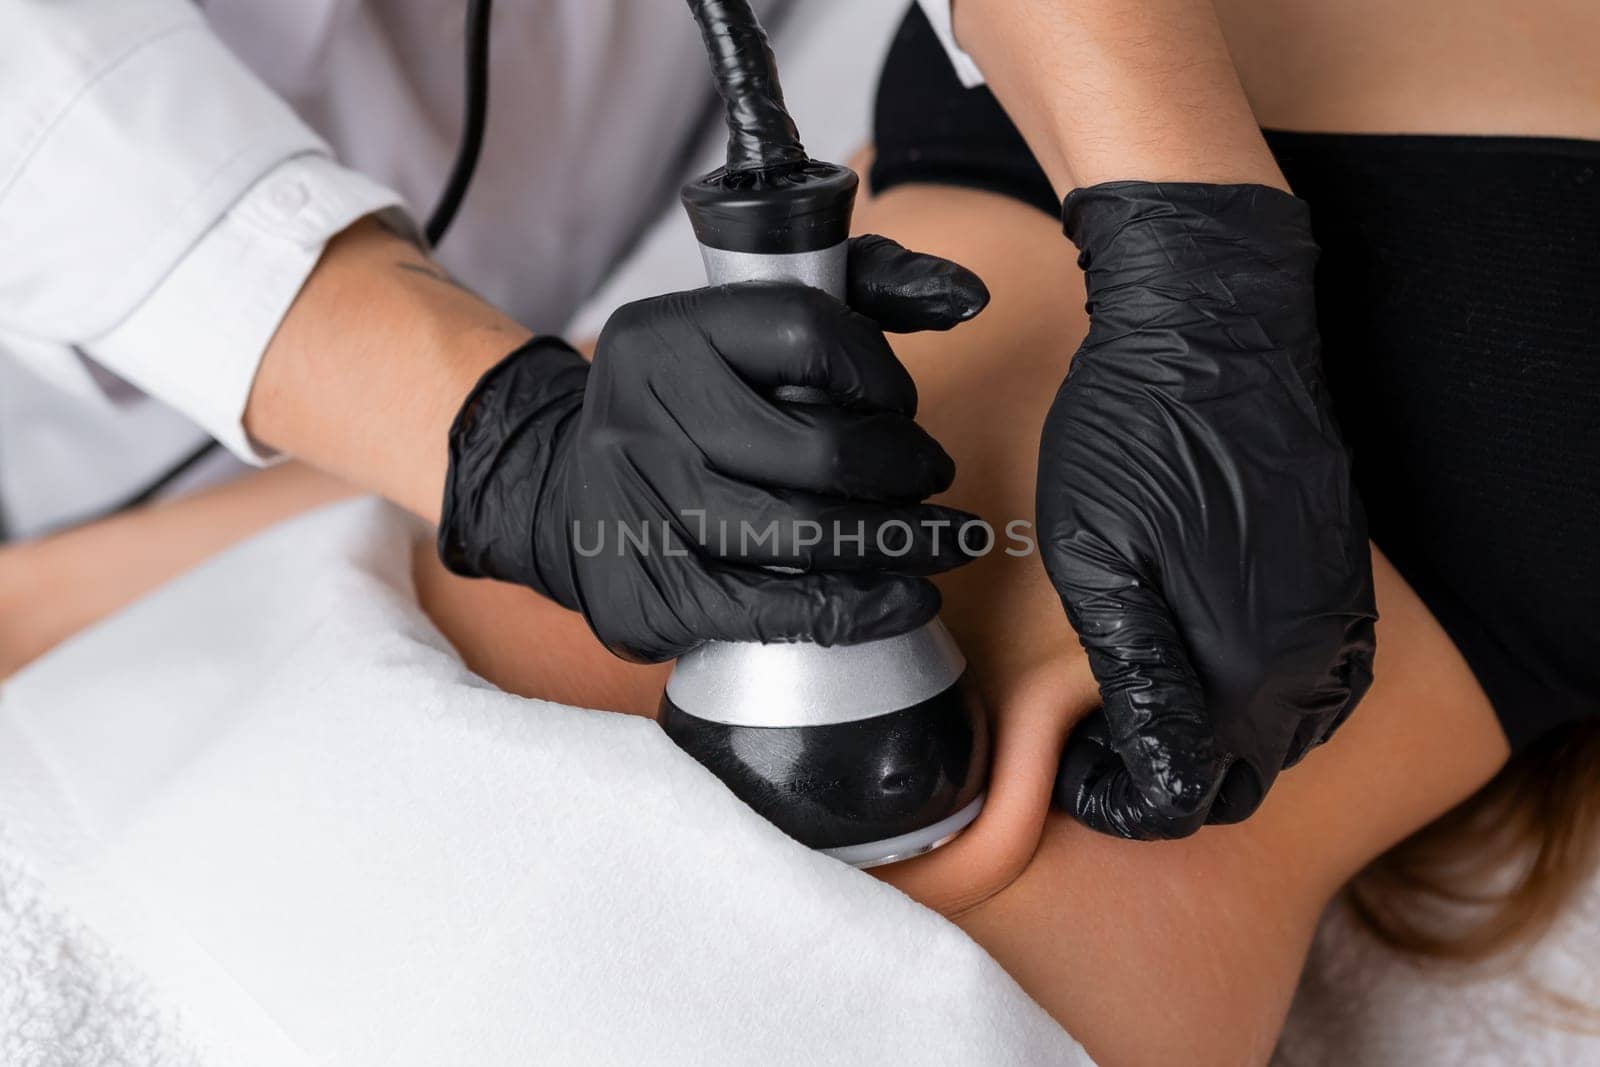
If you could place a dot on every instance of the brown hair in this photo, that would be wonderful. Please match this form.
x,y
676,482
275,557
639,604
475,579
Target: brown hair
x,y
1492,874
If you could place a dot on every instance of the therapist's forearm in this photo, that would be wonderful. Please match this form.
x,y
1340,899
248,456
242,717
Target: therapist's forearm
x,y
1105,90
370,366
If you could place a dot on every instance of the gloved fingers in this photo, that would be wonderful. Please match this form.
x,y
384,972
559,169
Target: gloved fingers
x,y
1154,704
809,533
1319,709
777,336
1241,792
1093,786
1355,674
905,291
1358,669
755,526
918,539
1325,709
1308,735
833,608
863,455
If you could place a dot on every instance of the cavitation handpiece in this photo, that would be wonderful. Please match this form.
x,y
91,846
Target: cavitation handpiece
x,y
872,752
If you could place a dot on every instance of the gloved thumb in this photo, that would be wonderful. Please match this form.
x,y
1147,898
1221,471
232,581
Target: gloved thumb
x,y
1147,764
905,291
1094,786
825,608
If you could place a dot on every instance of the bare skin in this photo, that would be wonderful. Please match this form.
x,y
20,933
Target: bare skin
x,y
1423,66
1175,90
370,366
1104,90
51,589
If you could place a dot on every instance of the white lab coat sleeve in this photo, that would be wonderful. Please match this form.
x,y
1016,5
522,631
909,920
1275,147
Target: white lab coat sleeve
x,y
938,12
159,206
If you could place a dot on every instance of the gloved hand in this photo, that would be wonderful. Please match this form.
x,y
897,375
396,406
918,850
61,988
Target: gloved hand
x,y
1196,509
648,490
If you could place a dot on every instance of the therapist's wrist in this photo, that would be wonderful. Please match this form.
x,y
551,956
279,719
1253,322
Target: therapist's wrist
x,y
369,367
1108,91
1238,159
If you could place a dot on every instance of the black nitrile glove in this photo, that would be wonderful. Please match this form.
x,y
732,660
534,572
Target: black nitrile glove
x,y
1196,509
674,441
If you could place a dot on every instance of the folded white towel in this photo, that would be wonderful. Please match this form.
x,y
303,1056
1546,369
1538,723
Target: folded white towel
x,y
65,1001
275,792
275,789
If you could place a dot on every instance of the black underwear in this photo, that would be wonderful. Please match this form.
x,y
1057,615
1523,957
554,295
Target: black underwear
x,y
1458,296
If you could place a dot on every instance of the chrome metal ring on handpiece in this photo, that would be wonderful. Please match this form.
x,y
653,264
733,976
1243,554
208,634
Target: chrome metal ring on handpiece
x,y
800,684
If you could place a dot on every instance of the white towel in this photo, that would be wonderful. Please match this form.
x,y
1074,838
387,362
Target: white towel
x,y
275,789
65,1001
316,838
